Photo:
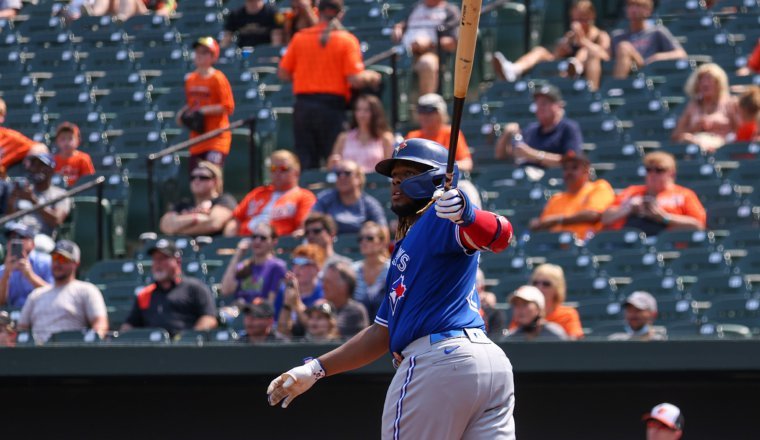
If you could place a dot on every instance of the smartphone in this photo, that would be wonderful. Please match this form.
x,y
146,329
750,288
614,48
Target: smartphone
x,y
17,248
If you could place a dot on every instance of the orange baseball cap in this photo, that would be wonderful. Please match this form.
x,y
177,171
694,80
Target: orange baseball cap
x,y
68,126
210,44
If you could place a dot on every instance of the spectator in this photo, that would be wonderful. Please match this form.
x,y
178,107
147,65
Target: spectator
x,y
545,141
69,304
14,146
528,312
302,14
36,189
550,280
431,25
259,276
579,208
753,62
339,283
495,319
24,269
69,161
7,330
282,203
584,46
643,43
749,111
92,8
321,230
172,302
640,312
259,323
130,8
9,8
324,62
369,140
209,94
711,116
433,117
322,324
256,22
347,203
373,268
659,204
210,209
302,289
664,422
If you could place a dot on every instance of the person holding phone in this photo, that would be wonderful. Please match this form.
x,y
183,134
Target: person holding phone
x,y
24,269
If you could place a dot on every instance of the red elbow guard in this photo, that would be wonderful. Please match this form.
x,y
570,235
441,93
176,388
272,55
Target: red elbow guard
x,y
489,232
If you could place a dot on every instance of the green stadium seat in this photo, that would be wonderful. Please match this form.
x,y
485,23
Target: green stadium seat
x,y
581,287
735,309
74,337
711,191
606,242
679,240
633,263
745,238
25,339
750,264
577,265
737,151
730,215
115,272
710,286
700,261
594,311
543,243
141,336
725,331
667,286
192,337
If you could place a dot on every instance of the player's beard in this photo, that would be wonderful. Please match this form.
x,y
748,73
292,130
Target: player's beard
x,y
407,215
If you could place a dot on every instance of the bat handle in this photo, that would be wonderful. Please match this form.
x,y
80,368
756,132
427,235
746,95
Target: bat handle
x,y
456,120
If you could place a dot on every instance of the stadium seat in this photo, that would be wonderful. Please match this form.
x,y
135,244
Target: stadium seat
x,y
719,330
141,336
700,261
730,215
542,243
606,242
74,337
679,240
580,287
711,286
675,309
106,272
599,310
736,309
578,265
667,286
746,238
633,263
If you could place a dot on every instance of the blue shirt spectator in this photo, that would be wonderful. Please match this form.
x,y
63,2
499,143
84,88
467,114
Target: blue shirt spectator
x,y
28,269
347,204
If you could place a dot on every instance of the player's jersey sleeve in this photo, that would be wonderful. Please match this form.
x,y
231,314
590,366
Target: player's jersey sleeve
x,y
382,313
444,234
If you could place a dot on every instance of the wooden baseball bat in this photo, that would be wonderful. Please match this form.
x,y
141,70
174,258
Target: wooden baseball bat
x,y
465,57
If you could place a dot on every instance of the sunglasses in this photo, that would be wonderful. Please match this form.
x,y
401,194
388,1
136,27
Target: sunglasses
x,y
259,237
200,177
366,238
302,261
280,168
657,170
343,173
60,259
314,231
542,283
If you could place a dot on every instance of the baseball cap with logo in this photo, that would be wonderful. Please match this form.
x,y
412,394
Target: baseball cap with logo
x,y
550,91
21,229
324,308
210,44
68,249
667,414
166,247
642,301
529,294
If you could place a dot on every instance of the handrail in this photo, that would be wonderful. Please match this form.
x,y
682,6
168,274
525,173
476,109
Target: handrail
x,y
152,157
393,53
74,191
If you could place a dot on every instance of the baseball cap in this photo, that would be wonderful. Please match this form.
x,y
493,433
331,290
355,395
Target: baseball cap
x,y
68,126
206,165
325,308
530,294
21,229
550,91
572,156
68,249
210,44
258,309
45,158
334,4
642,301
431,103
667,414
166,247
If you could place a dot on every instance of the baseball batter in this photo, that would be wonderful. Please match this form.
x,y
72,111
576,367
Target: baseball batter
x,y
451,381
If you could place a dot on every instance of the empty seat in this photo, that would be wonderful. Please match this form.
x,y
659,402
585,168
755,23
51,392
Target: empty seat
x,y
711,286
679,240
595,311
74,337
606,242
696,262
141,336
735,310
633,263
107,272
543,243
667,286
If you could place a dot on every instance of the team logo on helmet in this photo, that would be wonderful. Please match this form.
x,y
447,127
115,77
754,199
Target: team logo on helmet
x,y
400,147
397,292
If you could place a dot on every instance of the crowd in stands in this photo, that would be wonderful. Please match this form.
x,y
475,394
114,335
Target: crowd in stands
x,y
310,290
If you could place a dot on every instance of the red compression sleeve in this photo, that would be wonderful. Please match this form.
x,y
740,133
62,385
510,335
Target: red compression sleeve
x,y
489,232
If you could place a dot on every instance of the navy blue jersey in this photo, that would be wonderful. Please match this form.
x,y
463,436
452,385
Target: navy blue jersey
x,y
430,285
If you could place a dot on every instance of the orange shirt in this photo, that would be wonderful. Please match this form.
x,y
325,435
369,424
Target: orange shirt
x,y
322,69
565,316
443,137
74,167
594,196
747,131
211,90
677,200
754,59
286,214
13,146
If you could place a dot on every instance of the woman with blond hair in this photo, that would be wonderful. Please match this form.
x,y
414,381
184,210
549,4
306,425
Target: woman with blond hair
x,y
371,271
711,116
550,280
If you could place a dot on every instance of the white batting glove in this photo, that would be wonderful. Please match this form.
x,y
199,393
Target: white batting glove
x,y
294,382
449,205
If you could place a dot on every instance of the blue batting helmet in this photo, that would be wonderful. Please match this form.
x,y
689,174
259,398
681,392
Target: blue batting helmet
x,y
424,152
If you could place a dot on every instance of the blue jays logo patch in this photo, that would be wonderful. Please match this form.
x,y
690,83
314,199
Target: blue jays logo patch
x,y
399,147
398,290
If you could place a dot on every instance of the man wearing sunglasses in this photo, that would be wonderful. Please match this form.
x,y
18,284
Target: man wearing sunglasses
x,y
69,304
451,380
664,422
282,203
659,204
320,229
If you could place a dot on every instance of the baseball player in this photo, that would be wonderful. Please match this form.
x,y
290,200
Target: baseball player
x,y
451,381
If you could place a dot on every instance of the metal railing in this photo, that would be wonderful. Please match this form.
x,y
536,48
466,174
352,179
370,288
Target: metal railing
x,y
254,178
